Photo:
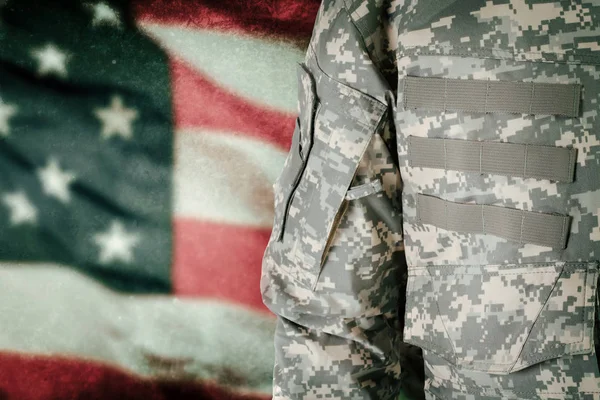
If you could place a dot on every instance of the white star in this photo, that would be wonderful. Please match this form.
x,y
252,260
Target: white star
x,y
6,111
21,209
55,182
104,14
116,244
51,60
116,119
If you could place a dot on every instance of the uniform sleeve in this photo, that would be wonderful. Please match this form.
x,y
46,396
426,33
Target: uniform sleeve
x,y
334,268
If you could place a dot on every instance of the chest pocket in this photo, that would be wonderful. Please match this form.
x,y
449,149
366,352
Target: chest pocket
x,y
334,127
494,176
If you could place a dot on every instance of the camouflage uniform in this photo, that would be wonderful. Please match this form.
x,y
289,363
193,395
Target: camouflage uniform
x,y
411,246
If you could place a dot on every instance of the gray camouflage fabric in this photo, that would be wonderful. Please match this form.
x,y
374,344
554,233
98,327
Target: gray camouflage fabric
x,y
371,302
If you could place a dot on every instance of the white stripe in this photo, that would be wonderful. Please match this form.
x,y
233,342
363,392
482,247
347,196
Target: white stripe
x,y
225,178
259,69
49,309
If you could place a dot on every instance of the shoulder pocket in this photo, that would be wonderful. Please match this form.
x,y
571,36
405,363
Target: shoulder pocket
x,y
335,126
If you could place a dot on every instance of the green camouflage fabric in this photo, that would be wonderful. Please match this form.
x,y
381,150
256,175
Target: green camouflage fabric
x,y
372,303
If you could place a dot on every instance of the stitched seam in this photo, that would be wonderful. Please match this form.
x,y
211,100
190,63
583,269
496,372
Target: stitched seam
x,y
487,95
562,233
575,100
481,273
360,33
503,50
331,85
409,302
478,390
532,95
525,162
522,223
537,359
472,365
474,389
480,157
446,213
404,86
483,219
571,166
410,161
445,94
440,315
445,156
573,264
474,53
583,308
376,59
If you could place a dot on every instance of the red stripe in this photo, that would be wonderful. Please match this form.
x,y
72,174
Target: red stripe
x,y
219,261
34,377
287,18
198,102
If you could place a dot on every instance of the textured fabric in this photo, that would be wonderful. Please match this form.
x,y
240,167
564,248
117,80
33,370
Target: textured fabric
x,y
488,289
489,96
487,157
515,225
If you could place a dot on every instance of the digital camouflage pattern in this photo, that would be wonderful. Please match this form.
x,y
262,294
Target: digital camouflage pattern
x,y
359,285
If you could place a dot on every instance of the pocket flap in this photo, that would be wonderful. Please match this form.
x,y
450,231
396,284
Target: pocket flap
x,y
345,121
501,319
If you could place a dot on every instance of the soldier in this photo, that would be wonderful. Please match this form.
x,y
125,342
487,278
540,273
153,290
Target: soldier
x,y
436,220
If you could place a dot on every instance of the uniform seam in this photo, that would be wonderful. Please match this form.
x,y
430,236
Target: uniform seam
x,y
441,317
486,274
378,105
480,391
573,264
352,16
375,58
476,52
571,168
576,100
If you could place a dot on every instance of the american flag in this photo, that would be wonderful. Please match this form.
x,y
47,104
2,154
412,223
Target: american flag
x,y
138,146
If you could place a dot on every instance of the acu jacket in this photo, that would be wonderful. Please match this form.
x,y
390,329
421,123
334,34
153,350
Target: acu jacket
x,y
436,219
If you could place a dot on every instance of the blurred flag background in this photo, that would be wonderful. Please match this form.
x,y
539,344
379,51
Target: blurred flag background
x,y
138,145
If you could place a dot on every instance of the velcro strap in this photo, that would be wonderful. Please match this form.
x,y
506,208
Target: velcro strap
x,y
501,158
515,225
488,96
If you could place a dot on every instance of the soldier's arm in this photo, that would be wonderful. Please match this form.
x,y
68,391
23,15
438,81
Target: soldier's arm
x,y
333,269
